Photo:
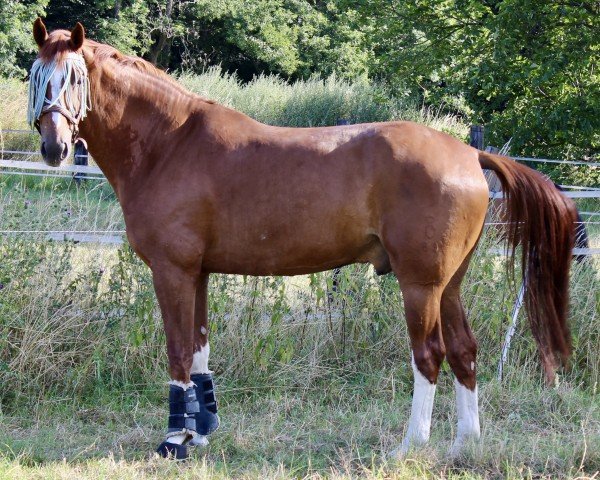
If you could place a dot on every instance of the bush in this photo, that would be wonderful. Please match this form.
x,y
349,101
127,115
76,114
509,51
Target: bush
x,y
314,102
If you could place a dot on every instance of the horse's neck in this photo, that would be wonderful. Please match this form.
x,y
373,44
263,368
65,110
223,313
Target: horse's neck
x,y
131,113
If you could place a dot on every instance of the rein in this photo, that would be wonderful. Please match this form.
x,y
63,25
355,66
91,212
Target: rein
x,y
72,67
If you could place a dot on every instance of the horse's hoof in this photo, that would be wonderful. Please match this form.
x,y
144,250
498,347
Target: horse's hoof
x,y
398,454
172,450
198,441
462,445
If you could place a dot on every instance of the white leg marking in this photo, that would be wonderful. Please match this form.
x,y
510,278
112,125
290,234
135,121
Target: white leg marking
x,y
200,362
177,383
468,416
419,424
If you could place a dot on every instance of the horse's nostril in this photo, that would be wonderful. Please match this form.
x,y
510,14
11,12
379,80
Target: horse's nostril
x,y
65,151
43,149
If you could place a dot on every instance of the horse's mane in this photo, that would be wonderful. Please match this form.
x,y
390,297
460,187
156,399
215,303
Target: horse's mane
x,y
58,45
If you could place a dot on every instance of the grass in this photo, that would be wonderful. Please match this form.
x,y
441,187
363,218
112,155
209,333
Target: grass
x,y
316,101
307,389
340,428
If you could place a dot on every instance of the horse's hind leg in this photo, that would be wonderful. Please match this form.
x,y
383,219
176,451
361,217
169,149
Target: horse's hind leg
x,y
422,307
461,355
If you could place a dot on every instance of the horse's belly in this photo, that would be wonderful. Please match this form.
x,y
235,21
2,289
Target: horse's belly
x,y
298,254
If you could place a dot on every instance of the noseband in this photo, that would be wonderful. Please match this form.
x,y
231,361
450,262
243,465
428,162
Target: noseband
x,y
73,121
41,75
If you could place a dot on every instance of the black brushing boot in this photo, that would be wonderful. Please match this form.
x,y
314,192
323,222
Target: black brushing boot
x,y
183,408
207,420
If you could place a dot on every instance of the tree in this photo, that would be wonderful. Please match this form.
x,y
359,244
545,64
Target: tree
x,y
526,69
16,18
294,38
121,23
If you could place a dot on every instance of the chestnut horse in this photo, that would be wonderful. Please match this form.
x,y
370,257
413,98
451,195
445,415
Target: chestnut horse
x,y
205,189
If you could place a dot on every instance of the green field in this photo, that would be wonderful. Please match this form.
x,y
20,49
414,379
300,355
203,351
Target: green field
x,y
307,389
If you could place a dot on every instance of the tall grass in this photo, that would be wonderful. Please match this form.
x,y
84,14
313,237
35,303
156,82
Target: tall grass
x,y
13,116
81,332
314,102
13,108
93,313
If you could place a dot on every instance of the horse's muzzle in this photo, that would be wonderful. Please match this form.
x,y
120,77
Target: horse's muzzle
x,y
54,153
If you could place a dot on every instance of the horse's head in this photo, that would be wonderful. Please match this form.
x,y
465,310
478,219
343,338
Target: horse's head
x,y
58,90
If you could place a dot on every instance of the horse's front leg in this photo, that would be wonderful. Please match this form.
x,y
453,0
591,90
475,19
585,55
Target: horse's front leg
x,y
207,420
176,291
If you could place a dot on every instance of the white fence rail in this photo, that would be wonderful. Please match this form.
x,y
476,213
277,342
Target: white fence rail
x,y
566,193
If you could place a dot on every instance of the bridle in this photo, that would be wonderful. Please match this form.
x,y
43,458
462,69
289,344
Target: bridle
x,y
73,121
39,105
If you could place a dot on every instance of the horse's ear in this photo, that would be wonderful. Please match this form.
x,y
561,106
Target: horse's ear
x,y
77,36
40,34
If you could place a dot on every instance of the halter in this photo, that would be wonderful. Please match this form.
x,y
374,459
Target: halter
x,y
41,74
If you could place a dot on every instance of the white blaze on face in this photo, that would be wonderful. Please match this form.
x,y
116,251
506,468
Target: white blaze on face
x,y
468,416
200,361
419,424
56,83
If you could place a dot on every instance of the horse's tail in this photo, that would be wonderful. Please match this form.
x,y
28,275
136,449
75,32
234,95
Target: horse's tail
x,y
581,235
540,220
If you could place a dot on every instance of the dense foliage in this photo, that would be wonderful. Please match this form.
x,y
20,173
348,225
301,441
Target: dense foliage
x,y
15,32
528,70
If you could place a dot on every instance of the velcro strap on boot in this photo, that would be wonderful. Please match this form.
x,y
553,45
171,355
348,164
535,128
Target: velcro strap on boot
x,y
180,422
205,391
207,420
183,406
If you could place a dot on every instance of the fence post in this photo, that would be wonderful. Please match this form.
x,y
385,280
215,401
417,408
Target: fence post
x,y
476,136
511,329
80,157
